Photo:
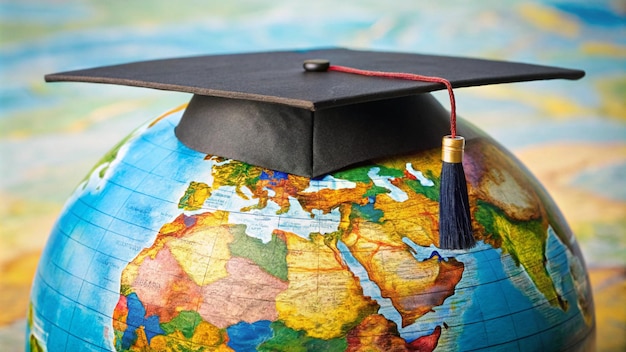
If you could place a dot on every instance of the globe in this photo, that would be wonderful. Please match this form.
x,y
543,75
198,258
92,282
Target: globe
x,y
165,248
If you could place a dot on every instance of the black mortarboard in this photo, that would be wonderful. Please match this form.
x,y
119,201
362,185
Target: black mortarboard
x,y
266,110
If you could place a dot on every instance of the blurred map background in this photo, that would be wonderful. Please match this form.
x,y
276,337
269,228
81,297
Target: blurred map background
x,y
571,135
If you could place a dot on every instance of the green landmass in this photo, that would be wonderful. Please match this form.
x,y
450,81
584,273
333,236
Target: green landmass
x,y
118,335
359,174
374,190
287,339
366,212
194,196
430,192
236,174
186,322
126,290
35,346
525,242
271,256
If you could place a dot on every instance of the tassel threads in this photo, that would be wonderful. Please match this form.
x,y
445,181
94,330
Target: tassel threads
x,y
455,222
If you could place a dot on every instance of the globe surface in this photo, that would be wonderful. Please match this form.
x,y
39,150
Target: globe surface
x,y
165,248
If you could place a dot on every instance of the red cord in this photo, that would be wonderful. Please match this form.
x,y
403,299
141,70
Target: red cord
x,y
411,77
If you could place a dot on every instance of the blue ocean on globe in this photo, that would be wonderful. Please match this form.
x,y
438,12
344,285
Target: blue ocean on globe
x,y
154,217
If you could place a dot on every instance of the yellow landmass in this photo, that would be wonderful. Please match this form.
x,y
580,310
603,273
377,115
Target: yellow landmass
x,y
519,225
203,252
142,340
413,286
172,228
548,20
242,175
427,160
323,298
416,218
207,334
526,244
159,342
234,173
195,196
176,230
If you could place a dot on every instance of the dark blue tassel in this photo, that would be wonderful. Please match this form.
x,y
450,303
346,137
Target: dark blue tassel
x,y
455,222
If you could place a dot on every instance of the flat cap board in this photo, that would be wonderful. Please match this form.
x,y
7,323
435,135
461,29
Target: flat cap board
x,y
265,109
278,77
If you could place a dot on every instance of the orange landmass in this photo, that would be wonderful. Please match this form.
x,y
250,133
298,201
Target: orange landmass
x,y
328,199
414,287
120,313
417,218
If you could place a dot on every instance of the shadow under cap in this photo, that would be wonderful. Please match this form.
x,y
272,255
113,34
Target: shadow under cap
x,y
313,143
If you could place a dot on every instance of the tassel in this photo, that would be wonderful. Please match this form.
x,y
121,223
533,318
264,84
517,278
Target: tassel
x,y
455,222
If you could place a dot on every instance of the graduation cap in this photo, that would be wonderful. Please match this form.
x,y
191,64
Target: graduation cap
x,y
266,109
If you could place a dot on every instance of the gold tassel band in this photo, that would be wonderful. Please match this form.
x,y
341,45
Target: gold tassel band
x,y
452,149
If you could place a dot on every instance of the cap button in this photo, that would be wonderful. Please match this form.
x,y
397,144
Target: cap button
x,y
316,65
